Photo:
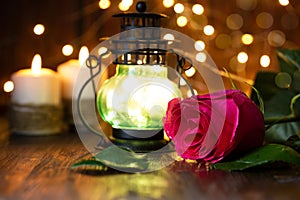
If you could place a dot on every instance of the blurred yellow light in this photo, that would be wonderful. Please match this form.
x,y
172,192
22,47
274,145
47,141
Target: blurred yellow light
x,y
168,3
179,8
104,4
265,61
242,57
198,9
208,30
199,45
182,21
284,2
234,21
67,50
127,3
123,7
201,57
247,39
8,86
39,29
190,72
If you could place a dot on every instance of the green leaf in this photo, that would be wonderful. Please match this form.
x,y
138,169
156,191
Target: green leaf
x,y
280,133
289,60
89,164
264,155
119,158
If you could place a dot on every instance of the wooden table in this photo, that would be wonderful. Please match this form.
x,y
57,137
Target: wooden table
x,y
39,168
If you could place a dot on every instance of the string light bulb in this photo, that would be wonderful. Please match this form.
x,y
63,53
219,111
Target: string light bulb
x,y
104,4
199,45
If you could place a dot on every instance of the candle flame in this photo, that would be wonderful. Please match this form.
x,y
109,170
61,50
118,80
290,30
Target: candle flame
x,y
36,64
83,55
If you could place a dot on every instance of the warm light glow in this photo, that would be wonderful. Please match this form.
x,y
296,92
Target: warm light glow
x,y
189,93
67,50
127,3
168,3
179,8
276,38
208,30
247,39
39,29
83,54
284,2
8,86
190,72
201,57
36,64
139,62
102,50
104,4
199,45
234,21
264,20
123,7
265,61
169,37
182,21
242,57
198,9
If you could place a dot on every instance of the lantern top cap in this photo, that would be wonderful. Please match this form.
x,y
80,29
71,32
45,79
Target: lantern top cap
x,y
141,8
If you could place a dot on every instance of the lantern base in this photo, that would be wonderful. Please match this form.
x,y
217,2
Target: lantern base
x,y
139,140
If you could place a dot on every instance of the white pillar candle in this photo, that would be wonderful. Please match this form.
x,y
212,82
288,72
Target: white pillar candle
x,y
36,86
74,74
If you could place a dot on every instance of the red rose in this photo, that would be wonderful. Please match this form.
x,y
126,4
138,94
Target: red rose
x,y
209,127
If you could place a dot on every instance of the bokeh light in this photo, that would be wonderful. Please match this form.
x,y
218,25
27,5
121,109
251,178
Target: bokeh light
x,y
179,8
39,29
234,21
201,57
198,9
182,21
247,4
276,38
168,3
283,80
264,20
67,50
190,72
8,86
199,45
284,2
265,61
247,39
208,30
242,57
104,4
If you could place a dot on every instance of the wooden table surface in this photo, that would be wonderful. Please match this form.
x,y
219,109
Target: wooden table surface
x,y
39,168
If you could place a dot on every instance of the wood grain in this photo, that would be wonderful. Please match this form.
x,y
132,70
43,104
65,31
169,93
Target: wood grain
x,y
39,168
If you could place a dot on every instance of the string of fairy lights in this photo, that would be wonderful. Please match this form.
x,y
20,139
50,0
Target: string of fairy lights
x,y
194,16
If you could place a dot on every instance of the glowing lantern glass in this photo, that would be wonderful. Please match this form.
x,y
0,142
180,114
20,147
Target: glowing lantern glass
x,y
134,101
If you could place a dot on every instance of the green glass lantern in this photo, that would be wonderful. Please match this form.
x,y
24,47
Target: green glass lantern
x,y
135,99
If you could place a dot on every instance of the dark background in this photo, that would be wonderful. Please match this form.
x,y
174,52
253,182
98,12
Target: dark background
x,y
82,22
